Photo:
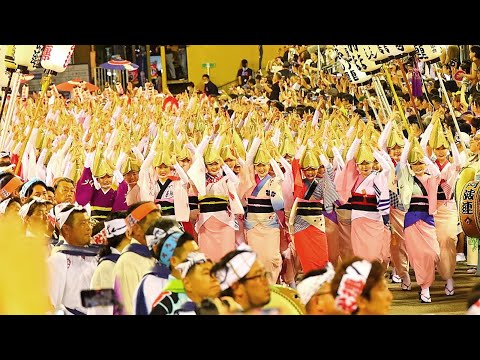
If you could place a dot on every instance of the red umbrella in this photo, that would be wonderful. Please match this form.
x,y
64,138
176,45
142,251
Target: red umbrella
x,y
69,85
26,78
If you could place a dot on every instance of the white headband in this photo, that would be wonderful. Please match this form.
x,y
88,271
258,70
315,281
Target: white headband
x,y
159,234
237,267
26,207
192,259
4,205
308,287
352,284
62,216
57,208
7,168
115,227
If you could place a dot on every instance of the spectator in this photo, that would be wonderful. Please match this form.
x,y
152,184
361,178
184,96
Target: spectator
x,y
285,72
182,60
244,73
275,93
5,159
210,88
169,56
64,190
191,88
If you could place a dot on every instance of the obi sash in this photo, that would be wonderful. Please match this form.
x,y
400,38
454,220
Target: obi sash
x,y
212,204
309,208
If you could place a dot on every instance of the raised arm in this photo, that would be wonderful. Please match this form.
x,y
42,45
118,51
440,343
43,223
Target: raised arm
x,y
405,151
352,150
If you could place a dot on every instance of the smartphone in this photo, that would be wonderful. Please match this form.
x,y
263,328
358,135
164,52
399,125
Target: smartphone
x,y
100,297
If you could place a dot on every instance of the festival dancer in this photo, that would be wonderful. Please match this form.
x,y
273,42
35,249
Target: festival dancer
x,y
218,203
393,141
95,186
369,197
446,216
262,224
418,194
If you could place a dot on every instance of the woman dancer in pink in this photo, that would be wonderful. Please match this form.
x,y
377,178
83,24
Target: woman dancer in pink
x,y
418,193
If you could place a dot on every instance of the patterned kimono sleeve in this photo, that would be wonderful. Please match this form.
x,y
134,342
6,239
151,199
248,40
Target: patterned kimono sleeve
x,y
120,202
405,186
380,186
276,194
330,194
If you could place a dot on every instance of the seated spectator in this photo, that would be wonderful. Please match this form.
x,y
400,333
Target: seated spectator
x,y
210,89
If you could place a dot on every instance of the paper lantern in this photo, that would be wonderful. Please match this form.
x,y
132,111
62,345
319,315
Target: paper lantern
x,y
383,54
354,75
429,54
55,58
395,51
342,52
409,49
23,57
10,64
36,57
364,58
3,71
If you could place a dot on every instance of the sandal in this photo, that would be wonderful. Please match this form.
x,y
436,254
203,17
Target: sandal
x,y
396,279
449,292
405,287
424,299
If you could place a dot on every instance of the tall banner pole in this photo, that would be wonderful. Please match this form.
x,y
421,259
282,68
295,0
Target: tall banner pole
x,y
442,86
397,101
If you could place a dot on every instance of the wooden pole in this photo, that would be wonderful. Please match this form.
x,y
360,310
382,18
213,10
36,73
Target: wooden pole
x,y
149,72
380,98
6,94
164,69
394,93
367,95
93,63
442,86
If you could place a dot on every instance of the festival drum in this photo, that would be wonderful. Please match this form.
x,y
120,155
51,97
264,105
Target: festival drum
x,y
468,209
286,300
464,176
